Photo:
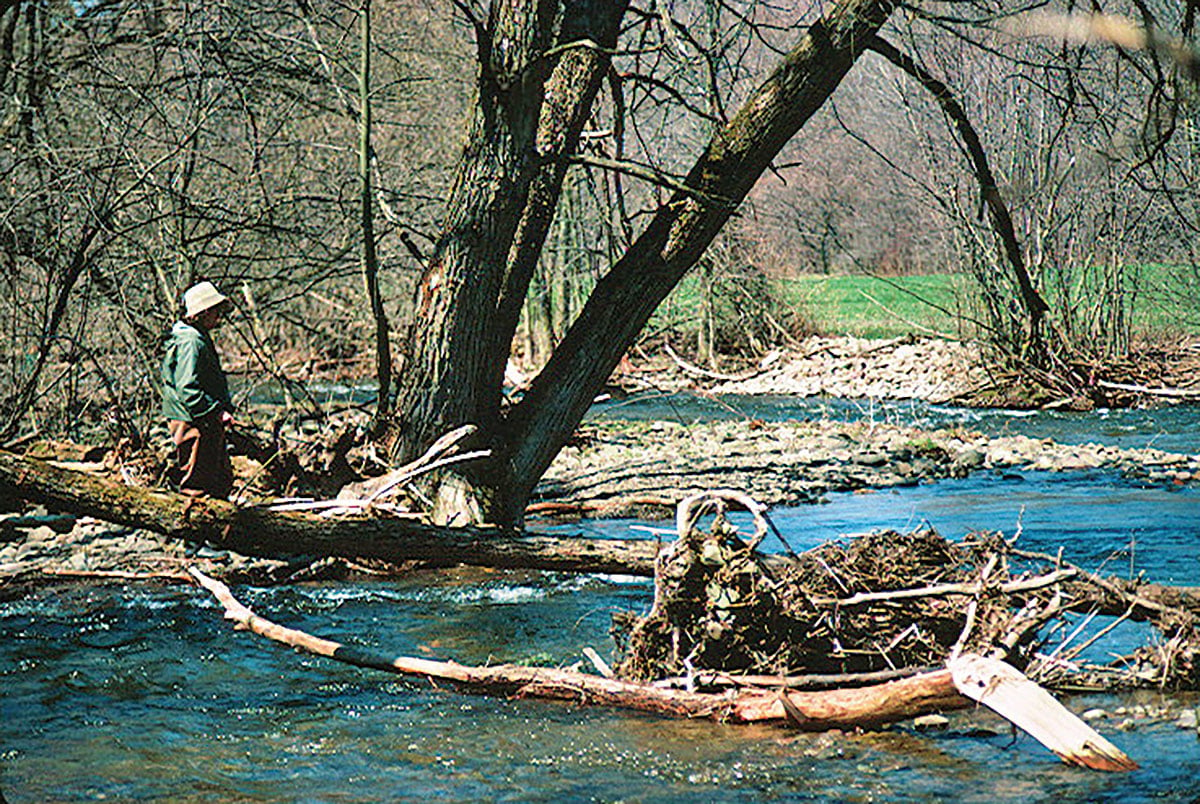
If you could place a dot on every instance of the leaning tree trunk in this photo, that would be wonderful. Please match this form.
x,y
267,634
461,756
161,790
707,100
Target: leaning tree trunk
x,y
1033,349
623,301
509,182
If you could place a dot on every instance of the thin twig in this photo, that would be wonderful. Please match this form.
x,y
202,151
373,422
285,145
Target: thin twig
x,y
938,590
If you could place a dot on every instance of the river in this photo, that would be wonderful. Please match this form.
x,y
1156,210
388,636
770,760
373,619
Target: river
x,y
143,693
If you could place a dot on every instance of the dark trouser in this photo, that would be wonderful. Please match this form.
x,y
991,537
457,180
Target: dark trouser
x,y
201,462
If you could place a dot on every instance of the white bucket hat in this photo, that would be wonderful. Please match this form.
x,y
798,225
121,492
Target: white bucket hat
x,y
201,296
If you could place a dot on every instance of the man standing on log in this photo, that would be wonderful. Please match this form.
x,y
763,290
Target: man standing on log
x,y
196,399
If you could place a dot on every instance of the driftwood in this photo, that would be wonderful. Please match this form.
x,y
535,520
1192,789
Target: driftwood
x,y
368,491
989,681
866,706
714,679
260,532
1170,393
855,609
1013,696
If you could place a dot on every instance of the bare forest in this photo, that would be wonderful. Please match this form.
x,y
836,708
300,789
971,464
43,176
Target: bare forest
x,y
407,194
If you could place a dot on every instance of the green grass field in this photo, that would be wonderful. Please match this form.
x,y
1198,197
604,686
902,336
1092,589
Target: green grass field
x,y
872,307
1166,302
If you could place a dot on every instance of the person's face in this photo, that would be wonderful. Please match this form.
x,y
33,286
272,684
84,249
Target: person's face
x,y
211,318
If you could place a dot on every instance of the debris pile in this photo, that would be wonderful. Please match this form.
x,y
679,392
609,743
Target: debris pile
x,y
889,602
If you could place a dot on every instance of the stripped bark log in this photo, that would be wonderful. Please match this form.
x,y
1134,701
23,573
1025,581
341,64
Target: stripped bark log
x,y
377,487
1014,697
942,590
874,705
990,681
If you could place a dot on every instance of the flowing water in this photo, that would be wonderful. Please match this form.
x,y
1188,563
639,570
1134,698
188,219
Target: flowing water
x,y
144,693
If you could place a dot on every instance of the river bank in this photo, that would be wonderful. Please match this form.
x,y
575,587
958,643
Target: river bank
x,y
617,469
643,468
929,369
932,370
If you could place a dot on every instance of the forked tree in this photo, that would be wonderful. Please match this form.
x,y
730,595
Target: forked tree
x,y
541,65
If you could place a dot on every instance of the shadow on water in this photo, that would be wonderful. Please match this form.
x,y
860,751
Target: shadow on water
x,y
144,693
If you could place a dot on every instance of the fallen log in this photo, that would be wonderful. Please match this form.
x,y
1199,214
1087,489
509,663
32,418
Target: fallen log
x,y
989,681
261,532
715,679
875,705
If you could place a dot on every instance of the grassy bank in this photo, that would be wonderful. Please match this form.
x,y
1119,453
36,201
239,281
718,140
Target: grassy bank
x,y
931,304
881,307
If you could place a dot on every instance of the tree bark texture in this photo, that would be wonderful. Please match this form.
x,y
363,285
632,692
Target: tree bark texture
x,y
535,94
536,87
674,240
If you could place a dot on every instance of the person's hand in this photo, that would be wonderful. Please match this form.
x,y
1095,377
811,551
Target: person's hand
x,y
226,419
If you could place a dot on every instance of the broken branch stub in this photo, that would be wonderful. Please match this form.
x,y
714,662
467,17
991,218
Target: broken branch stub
x,y
1006,691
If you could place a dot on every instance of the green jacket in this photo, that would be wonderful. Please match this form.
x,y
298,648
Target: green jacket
x,y
193,383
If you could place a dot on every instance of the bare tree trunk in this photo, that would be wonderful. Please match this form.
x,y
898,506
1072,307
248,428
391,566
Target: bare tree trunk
x,y
469,299
675,239
510,180
536,88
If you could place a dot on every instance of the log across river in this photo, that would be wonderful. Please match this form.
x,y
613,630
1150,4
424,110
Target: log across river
x,y
260,531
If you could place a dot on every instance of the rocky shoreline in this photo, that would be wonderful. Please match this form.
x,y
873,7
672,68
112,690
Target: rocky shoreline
x,y
615,469
642,469
928,369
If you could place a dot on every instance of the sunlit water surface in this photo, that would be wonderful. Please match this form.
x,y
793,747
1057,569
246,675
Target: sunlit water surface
x,y
144,693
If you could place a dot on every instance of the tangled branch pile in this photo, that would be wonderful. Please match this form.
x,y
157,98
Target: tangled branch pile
x,y
887,601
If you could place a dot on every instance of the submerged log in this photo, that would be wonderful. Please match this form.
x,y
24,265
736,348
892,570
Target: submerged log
x,y
989,681
260,532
